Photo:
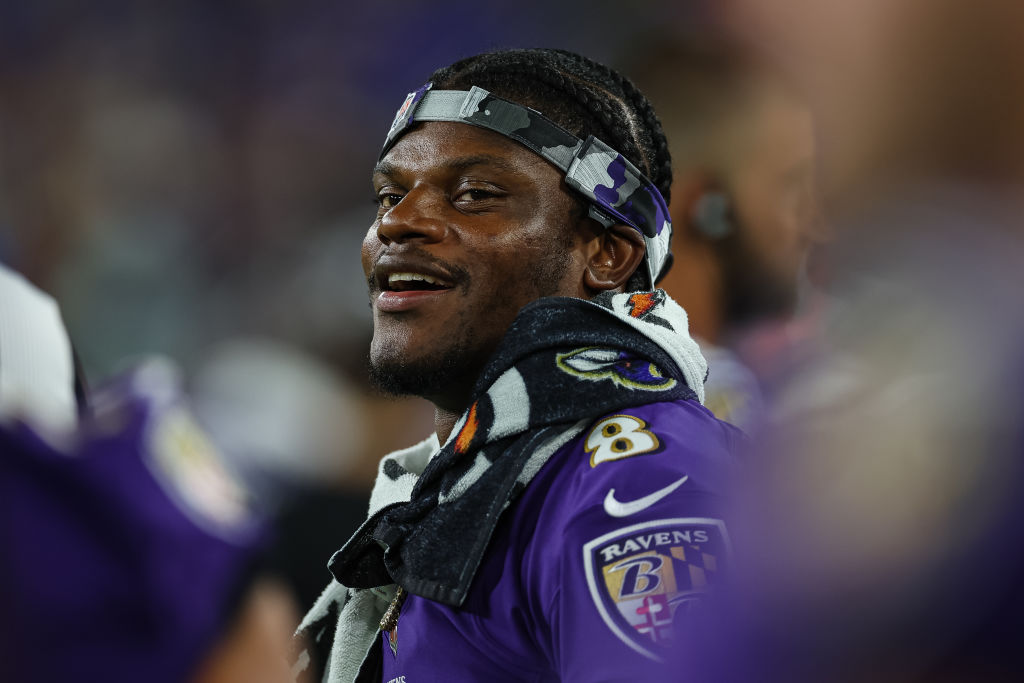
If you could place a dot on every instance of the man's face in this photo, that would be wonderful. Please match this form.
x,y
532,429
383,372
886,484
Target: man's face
x,y
775,209
471,227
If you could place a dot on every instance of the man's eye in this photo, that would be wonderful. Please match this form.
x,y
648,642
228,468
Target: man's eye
x,y
386,200
474,195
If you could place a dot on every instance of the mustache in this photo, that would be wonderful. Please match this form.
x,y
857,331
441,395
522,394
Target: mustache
x,y
457,274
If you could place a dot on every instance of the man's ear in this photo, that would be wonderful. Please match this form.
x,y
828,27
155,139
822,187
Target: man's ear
x,y
613,255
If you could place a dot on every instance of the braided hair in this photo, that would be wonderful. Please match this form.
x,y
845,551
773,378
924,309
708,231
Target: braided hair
x,y
582,96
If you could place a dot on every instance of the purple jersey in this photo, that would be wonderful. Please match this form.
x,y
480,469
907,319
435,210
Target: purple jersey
x,y
587,571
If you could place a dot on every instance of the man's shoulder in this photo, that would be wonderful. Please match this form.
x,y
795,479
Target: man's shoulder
x,y
657,437
626,522
686,420
677,450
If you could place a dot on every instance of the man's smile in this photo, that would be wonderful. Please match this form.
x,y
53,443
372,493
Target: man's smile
x,y
398,301
401,283
405,282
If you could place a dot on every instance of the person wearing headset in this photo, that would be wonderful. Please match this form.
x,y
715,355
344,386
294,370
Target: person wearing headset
x,y
744,199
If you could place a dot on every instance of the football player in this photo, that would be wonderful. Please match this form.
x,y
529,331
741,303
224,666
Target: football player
x,y
563,516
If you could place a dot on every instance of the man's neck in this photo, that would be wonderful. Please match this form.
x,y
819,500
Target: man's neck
x,y
448,408
444,422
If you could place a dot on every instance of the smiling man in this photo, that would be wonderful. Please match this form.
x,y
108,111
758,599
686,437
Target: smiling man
x,y
562,519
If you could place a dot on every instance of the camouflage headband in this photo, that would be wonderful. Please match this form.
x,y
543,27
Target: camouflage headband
x,y
617,191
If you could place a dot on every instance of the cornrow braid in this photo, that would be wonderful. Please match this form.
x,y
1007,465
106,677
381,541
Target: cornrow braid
x,y
661,164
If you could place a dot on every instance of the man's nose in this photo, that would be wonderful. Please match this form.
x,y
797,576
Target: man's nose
x,y
419,215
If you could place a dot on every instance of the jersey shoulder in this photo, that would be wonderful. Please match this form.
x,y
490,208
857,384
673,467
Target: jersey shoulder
x,y
651,444
656,461
634,504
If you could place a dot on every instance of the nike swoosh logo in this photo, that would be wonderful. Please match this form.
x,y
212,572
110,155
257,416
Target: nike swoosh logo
x,y
617,509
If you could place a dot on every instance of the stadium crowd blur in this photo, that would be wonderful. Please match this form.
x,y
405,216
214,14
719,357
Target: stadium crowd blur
x,y
192,179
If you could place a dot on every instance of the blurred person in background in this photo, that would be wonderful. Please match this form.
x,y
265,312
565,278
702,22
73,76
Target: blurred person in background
x,y
878,534
744,200
129,550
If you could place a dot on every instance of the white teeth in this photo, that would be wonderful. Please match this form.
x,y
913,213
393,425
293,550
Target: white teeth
x,y
412,277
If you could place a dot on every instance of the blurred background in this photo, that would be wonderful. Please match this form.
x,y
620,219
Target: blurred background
x,y
191,178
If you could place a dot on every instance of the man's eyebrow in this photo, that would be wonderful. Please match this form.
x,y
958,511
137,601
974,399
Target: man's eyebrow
x,y
384,168
462,163
389,169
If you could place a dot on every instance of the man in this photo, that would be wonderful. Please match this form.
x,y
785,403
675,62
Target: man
x,y
743,202
563,516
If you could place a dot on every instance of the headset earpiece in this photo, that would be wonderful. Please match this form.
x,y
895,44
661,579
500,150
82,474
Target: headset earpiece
x,y
712,215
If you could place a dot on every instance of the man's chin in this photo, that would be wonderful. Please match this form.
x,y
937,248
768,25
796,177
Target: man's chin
x,y
426,377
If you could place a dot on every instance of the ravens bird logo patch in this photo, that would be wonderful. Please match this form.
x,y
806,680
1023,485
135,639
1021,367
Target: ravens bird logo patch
x,y
645,577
